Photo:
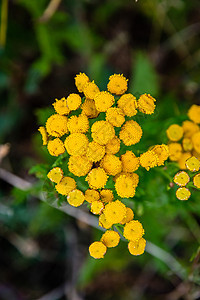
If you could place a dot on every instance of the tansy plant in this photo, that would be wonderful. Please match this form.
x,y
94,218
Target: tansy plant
x,y
93,136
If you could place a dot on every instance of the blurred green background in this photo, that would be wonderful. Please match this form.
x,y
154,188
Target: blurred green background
x,y
44,44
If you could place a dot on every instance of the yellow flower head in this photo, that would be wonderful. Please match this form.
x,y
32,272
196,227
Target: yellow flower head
x,y
135,178
78,124
146,104
115,116
55,175
111,164
181,178
89,109
79,165
106,195
124,186
66,185
174,132
130,162
117,84
55,147
187,144
90,90
196,141
56,125
194,113
113,146
137,247
97,178
162,151
182,160
97,207
110,238
128,217
114,212
149,160
102,132
76,144
80,81
193,164
175,151
43,132
73,101
103,222
128,104
196,180
95,151
91,195
75,198
183,193
130,133
97,250
103,101
189,128
61,107
133,230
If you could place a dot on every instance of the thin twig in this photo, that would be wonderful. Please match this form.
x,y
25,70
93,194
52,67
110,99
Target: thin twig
x,y
50,10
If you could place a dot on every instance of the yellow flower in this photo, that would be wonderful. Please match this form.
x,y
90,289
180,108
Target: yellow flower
x,y
113,146
146,104
196,180
106,195
196,141
43,132
111,164
183,193
110,238
124,186
79,165
90,90
66,185
75,198
194,113
89,109
130,133
78,124
193,164
102,132
182,160
97,207
76,144
114,212
97,178
103,222
128,104
181,178
117,84
133,230
55,147
189,128
95,152
128,217
97,250
91,195
187,144
130,162
73,101
61,107
149,160
80,81
103,101
55,175
135,178
162,151
137,247
115,116
174,132
56,125
175,151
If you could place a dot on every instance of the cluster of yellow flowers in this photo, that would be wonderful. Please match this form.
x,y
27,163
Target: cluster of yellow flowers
x,y
96,131
182,178
184,140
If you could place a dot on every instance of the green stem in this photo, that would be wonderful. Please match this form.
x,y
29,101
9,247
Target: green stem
x,y
4,22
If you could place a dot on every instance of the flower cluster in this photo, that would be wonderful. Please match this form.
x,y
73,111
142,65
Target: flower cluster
x,y
97,132
184,140
182,179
